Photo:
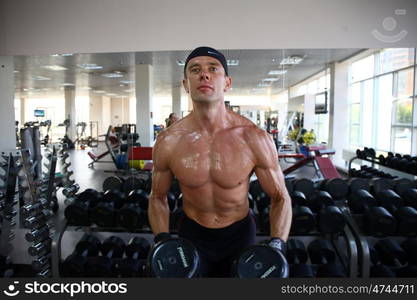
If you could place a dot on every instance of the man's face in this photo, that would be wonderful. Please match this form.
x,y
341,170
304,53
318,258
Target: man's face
x,y
205,79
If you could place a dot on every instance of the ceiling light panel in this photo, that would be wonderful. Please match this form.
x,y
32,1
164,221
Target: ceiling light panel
x,y
277,72
55,68
90,66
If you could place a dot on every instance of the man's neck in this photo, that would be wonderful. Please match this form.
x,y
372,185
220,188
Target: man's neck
x,y
210,117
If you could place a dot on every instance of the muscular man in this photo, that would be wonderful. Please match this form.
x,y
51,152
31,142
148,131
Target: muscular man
x,y
213,152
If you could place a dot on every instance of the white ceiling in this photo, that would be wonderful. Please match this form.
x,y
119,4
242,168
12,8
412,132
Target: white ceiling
x,y
254,66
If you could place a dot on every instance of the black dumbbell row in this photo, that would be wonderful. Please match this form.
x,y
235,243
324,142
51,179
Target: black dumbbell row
x,y
390,259
115,209
319,260
313,209
405,163
369,172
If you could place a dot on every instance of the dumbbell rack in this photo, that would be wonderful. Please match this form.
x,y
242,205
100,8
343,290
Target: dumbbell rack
x,y
374,162
38,204
64,167
8,213
363,255
362,240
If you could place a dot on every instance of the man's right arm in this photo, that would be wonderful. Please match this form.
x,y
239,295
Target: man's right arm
x,y
162,176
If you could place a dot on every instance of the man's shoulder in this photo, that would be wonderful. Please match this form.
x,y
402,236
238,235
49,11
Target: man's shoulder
x,y
173,133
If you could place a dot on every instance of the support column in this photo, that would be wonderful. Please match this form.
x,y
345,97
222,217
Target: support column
x,y
176,100
7,119
144,102
69,94
338,108
23,103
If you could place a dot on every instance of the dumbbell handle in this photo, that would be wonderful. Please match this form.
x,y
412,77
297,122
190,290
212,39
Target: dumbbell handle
x,y
40,248
38,264
38,235
39,219
32,207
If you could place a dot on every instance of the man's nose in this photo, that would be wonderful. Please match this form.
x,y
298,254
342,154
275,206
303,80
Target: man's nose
x,y
204,75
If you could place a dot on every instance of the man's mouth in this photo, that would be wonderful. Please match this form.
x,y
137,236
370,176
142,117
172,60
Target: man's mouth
x,y
204,87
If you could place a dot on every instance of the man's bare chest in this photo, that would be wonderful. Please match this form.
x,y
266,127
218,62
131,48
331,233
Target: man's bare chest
x,y
226,160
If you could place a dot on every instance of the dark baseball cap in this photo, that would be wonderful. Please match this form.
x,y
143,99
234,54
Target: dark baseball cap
x,y
207,51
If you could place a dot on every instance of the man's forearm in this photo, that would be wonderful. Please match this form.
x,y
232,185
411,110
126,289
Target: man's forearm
x,y
158,214
280,216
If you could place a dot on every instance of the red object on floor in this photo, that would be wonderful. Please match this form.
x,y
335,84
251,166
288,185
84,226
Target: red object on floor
x,y
140,153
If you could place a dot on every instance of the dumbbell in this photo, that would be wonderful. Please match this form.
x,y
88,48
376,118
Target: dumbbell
x,y
303,220
70,191
132,183
321,253
133,265
173,257
319,199
262,200
255,188
78,210
358,184
378,220
148,184
381,184
113,183
336,187
38,234
410,197
175,188
41,263
391,253
406,215
304,185
38,220
298,199
378,269
131,215
402,185
32,209
172,201
6,266
175,218
103,266
297,258
104,214
410,247
75,264
330,219
41,248
250,201
263,260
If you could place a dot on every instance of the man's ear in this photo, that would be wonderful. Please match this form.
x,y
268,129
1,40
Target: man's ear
x,y
228,84
185,85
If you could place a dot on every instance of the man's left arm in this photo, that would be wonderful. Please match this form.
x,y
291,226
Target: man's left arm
x,y
271,178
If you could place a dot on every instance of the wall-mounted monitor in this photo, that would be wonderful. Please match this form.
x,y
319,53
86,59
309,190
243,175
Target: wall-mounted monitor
x,y
321,103
40,113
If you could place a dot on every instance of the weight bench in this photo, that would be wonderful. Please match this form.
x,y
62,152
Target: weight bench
x,y
318,155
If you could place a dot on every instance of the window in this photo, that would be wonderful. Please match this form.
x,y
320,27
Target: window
x,y
367,112
383,112
363,69
405,83
394,59
381,104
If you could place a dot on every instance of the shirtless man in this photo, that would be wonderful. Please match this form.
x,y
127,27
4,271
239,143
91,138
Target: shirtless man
x,y
213,152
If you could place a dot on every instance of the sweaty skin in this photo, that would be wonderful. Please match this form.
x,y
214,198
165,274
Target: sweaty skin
x,y
213,152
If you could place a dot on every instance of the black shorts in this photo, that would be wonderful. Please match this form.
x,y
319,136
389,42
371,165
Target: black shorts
x,y
218,247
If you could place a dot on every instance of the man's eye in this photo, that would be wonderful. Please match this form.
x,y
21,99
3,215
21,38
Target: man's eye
x,y
195,70
213,69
